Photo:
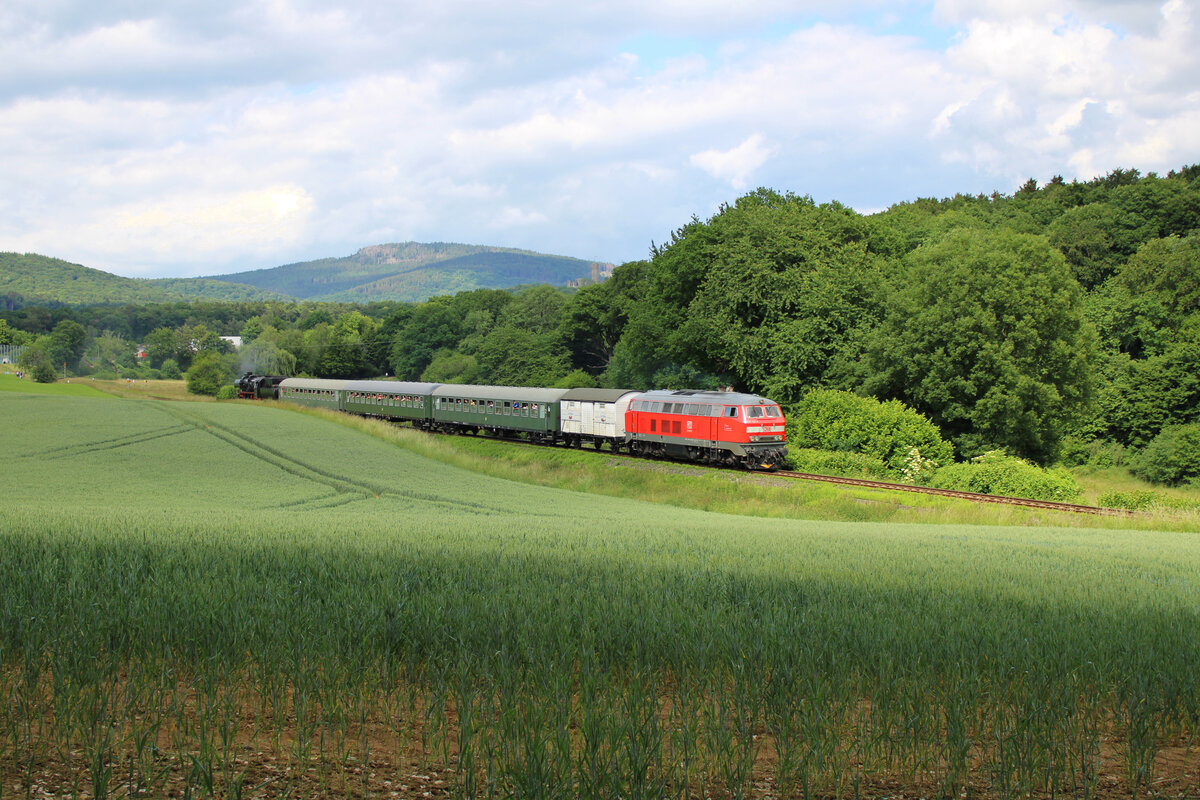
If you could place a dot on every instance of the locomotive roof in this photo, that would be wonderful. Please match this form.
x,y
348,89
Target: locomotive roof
x,y
701,396
597,395
392,387
522,393
313,383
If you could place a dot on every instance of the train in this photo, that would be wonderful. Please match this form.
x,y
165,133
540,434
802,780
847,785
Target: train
x,y
717,428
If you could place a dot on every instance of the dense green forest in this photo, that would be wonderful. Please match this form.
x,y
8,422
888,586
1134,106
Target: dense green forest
x,y
1061,322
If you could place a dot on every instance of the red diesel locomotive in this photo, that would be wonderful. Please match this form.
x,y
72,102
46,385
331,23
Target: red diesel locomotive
x,y
715,427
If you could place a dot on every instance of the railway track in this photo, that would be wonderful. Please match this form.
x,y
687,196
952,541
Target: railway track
x,y
976,497
973,496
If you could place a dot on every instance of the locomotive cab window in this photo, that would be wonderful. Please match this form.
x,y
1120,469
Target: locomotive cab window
x,y
731,411
754,412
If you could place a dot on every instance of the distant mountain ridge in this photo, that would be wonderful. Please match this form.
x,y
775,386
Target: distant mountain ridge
x,y
414,271
28,279
407,271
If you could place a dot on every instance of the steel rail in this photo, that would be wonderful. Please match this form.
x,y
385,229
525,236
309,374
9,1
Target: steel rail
x,y
973,496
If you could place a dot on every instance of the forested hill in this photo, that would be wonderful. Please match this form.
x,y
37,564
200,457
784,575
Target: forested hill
x,y
29,279
412,271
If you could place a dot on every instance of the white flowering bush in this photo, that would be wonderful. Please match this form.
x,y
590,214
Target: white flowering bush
x,y
917,468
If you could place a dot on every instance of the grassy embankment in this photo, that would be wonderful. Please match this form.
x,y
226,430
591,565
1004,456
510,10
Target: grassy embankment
x,y
753,494
233,599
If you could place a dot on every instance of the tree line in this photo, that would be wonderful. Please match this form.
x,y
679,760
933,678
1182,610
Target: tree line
x,y
1061,321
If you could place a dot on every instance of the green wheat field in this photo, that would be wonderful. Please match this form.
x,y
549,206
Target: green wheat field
x,y
239,600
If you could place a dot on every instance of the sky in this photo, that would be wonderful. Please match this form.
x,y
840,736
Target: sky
x,y
203,137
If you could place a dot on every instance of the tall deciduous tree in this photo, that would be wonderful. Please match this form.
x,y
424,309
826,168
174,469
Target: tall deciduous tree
x,y
66,343
987,336
784,293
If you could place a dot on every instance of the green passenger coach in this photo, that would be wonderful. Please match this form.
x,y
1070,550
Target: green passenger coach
x,y
498,409
313,392
406,400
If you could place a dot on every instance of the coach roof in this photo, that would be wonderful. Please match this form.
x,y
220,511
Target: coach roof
x,y
391,387
520,393
313,383
597,395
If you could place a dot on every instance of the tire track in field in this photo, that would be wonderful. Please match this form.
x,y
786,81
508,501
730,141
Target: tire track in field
x,y
340,484
83,448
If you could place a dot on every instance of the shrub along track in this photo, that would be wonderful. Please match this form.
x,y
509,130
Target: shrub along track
x,y
975,497
972,496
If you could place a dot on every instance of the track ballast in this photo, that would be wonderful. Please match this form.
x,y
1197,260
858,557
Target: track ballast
x,y
973,496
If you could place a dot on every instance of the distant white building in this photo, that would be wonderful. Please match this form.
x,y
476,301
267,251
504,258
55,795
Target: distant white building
x,y
236,341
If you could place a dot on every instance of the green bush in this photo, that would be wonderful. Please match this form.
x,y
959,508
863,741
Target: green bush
x,y
1076,452
1146,501
844,464
1172,457
1001,474
209,372
227,392
576,380
170,370
886,432
36,361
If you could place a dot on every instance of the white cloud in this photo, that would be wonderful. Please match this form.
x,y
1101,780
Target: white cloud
x,y
509,216
735,165
186,138
1062,85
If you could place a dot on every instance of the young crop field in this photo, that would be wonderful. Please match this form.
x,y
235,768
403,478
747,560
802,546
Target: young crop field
x,y
237,600
82,387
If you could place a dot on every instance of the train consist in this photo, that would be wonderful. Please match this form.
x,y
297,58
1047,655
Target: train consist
x,y
721,428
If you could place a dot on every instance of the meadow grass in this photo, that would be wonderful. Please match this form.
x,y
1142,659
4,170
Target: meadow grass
x,y
151,390
78,387
231,599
